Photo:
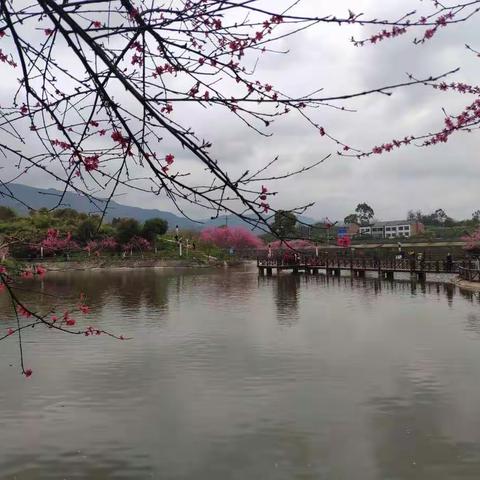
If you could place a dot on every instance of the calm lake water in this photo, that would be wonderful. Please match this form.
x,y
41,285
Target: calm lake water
x,y
231,376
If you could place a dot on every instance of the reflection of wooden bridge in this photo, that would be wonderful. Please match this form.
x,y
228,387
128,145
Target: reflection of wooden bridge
x,y
386,268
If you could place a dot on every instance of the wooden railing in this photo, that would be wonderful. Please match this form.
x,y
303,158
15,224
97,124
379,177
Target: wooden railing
x,y
364,263
469,274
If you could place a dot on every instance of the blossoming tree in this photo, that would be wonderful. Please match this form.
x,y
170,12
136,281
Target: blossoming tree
x,y
107,244
472,242
54,243
238,238
137,243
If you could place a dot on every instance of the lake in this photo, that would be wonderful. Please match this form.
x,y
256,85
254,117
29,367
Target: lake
x,y
232,376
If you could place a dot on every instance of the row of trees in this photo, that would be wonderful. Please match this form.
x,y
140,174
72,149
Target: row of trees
x,y
439,218
66,230
438,224
364,215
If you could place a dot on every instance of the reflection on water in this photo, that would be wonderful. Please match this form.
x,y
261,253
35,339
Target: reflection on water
x,y
231,376
286,294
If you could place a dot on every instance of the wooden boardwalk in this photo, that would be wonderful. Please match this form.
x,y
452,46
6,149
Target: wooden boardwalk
x,y
469,274
385,268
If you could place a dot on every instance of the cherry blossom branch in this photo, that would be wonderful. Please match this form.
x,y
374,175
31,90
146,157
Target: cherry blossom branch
x,y
20,309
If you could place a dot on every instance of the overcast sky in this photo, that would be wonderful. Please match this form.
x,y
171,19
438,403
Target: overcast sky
x,y
323,57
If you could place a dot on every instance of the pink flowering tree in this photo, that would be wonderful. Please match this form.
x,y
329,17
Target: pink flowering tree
x,y
238,238
91,247
472,242
96,247
54,243
108,244
136,244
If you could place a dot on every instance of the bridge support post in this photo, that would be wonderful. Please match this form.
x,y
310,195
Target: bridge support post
x,y
389,275
295,270
361,273
422,276
261,271
269,271
314,271
336,272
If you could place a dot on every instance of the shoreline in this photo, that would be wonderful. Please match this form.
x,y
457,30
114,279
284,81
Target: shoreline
x,y
472,286
121,264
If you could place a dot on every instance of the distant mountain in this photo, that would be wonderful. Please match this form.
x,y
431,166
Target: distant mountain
x,y
48,198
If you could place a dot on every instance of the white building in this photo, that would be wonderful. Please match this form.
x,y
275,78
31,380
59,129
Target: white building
x,y
392,229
